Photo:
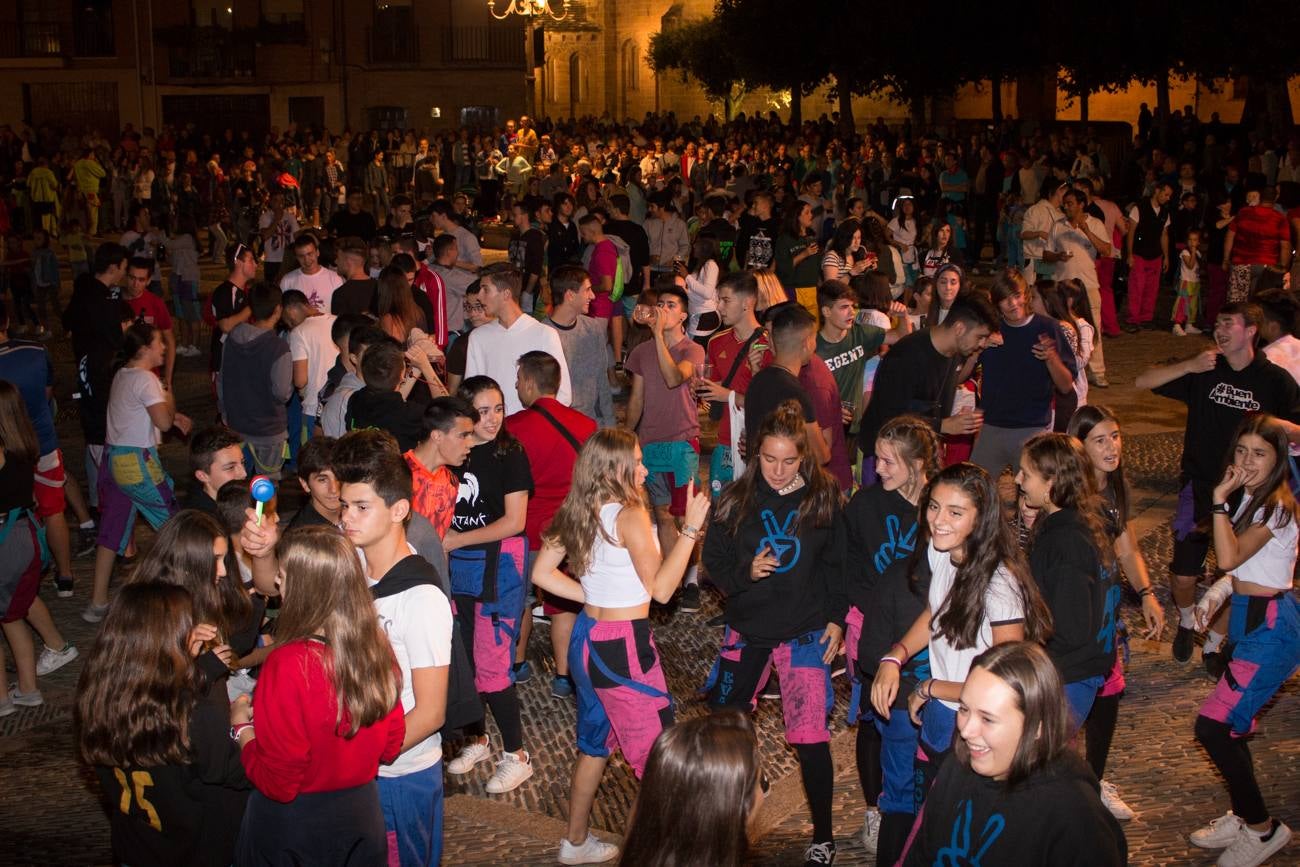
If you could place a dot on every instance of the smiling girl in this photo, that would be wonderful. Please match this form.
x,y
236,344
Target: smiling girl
x,y
979,594
487,551
1015,793
1255,544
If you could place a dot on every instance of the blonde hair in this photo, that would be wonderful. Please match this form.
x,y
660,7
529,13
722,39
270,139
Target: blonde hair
x,y
325,596
605,473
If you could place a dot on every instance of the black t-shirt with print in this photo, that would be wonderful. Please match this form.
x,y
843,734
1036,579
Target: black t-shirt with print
x,y
227,300
485,479
1219,399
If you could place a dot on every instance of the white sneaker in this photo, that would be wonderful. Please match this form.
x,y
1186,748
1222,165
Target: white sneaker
x,y
1218,834
592,851
52,660
471,756
1192,329
7,706
510,774
1178,330
871,831
94,613
1250,849
1113,802
25,699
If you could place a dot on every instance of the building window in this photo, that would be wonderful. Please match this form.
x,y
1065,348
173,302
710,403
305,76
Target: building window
x,y
577,83
394,37
387,117
550,84
631,66
213,14
92,29
307,112
282,22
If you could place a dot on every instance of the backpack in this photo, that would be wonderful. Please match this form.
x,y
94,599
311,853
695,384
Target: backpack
x,y
623,273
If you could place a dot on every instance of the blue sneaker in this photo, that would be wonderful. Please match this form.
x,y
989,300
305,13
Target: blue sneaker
x,y
561,686
523,672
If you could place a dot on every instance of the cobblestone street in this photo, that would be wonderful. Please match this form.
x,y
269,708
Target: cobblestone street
x,y
50,813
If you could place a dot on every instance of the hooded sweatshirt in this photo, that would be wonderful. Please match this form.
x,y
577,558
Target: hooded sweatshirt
x,y
1054,817
807,589
1081,593
255,384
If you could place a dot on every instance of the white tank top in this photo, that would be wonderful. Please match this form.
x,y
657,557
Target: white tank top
x,y
611,580
1272,565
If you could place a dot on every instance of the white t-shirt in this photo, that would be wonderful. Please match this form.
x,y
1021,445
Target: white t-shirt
x,y
1274,564
418,625
1285,353
494,351
1082,264
1039,218
1001,606
319,287
310,342
905,235
134,390
285,231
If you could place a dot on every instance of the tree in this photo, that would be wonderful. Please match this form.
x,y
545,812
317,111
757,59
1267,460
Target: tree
x,y
700,50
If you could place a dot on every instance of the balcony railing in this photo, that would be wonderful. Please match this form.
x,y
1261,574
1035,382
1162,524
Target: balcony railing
x,y
36,39
441,46
209,52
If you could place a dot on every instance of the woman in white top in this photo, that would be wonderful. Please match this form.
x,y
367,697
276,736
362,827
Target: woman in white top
x,y
902,230
132,480
604,531
980,594
1255,543
702,288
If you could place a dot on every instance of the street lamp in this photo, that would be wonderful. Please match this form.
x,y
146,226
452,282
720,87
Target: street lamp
x,y
532,11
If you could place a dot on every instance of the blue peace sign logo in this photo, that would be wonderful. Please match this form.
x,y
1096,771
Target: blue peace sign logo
x,y
779,540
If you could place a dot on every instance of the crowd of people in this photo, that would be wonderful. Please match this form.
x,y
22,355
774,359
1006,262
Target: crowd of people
x,y
896,338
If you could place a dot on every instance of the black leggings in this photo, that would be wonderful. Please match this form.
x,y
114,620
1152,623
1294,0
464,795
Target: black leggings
x,y
818,782
1099,731
505,710
870,773
1232,757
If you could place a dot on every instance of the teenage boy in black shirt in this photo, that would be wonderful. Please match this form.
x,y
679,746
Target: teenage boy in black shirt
x,y
384,403
316,476
1220,387
794,341
216,457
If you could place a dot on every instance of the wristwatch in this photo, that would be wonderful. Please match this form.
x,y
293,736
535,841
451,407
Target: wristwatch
x,y
1219,509
238,729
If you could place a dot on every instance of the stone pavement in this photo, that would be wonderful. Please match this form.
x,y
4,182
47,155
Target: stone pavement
x,y
50,814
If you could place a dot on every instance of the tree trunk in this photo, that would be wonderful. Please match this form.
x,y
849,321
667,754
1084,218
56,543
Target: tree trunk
x,y
997,99
918,112
796,104
1083,108
843,88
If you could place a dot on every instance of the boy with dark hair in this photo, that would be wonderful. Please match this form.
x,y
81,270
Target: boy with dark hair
x,y
316,476
216,457
351,333
583,339
375,497
793,334
256,382
475,315
446,436
383,403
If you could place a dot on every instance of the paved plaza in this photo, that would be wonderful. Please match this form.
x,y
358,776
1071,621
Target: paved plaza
x,y
50,813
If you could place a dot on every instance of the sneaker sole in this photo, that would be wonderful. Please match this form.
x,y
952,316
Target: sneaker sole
x,y
572,861
470,768
63,594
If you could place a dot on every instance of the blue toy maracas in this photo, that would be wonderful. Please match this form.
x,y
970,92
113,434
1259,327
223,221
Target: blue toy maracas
x,y
263,490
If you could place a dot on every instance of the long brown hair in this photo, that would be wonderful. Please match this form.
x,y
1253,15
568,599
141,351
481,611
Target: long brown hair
x,y
1086,418
17,436
696,795
324,596
1026,668
989,547
182,555
136,691
823,497
1273,494
604,473
393,298
1061,460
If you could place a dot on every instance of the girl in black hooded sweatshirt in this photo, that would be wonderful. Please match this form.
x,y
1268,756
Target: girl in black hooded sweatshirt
x,y
775,547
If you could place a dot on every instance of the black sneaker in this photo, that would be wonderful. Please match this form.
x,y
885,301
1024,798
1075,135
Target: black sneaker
x,y
690,599
1215,664
63,586
1183,645
718,621
819,854
86,541
772,690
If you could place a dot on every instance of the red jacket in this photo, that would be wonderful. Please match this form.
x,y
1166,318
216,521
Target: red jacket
x,y
298,745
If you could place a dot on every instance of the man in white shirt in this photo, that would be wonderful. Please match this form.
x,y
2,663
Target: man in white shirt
x,y
1077,240
278,228
495,347
310,278
1037,231
313,352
